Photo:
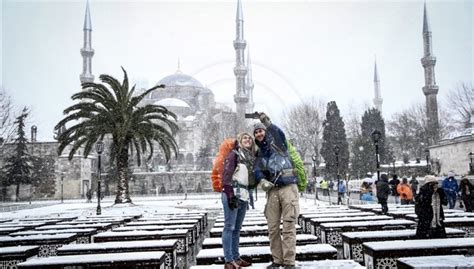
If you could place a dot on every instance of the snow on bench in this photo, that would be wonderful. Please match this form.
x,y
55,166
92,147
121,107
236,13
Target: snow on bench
x,y
180,235
115,222
169,246
245,241
325,264
48,244
149,259
385,253
99,226
331,231
168,222
7,231
11,256
439,261
192,234
247,231
262,254
315,222
352,241
201,216
304,219
28,224
84,235
446,215
125,216
465,223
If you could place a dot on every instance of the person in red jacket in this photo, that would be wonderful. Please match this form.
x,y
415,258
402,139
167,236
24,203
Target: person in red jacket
x,y
404,190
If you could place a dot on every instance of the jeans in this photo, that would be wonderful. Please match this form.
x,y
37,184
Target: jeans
x,y
451,200
233,219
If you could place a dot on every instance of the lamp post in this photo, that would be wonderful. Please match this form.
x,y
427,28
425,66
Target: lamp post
x,y
471,164
314,158
376,135
62,187
337,149
99,147
427,156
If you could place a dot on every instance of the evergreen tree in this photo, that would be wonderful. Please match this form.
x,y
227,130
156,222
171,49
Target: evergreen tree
x,y
362,160
334,135
18,165
372,120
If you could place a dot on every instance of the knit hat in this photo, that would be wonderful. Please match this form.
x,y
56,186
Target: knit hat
x,y
451,174
258,125
429,179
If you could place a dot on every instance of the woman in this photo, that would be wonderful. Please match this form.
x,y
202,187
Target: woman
x,y
429,209
406,195
466,189
238,172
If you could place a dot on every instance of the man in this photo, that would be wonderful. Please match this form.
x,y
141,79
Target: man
x,y
383,190
341,190
324,187
414,185
393,187
273,169
451,188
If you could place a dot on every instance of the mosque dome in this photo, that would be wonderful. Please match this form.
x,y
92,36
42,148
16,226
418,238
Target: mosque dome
x,y
179,80
172,102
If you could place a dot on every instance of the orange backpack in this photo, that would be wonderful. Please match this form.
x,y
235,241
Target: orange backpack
x,y
218,168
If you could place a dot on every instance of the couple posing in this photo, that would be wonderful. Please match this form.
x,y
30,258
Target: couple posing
x,y
270,166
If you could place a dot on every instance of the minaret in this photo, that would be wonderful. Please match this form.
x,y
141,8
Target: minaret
x,y
240,71
249,83
377,95
87,52
430,89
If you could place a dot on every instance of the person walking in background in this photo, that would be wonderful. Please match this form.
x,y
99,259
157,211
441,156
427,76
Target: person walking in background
x,y
451,188
238,167
414,185
341,190
383,191
467,194
324,187
393,188
406,195
276,173
429,210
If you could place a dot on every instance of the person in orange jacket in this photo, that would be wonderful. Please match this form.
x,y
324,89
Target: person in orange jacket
x,y
406,195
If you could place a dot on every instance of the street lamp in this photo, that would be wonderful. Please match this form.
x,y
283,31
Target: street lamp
x,y
62,187
427,156
314,158
337,149
471,164
376,135
99,147
314,164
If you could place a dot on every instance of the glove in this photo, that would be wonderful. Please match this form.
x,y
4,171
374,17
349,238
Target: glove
x,y
233,202
266,185
264,119
229,192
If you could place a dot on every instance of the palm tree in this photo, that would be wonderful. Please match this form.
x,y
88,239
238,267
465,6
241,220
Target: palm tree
x,y
115,113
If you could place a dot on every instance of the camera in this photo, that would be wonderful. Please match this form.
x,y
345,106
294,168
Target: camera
x,y
254,115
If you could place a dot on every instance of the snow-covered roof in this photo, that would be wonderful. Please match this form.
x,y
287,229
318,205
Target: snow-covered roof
x,y
172,102
179,79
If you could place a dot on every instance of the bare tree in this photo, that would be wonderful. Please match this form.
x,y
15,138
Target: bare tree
x,y
7,127
460,104
303,124
408,130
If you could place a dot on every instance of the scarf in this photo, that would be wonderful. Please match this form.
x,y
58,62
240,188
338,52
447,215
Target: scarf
x,y
435,204
246,157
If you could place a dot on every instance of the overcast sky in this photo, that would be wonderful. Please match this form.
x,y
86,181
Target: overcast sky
x,y
299,49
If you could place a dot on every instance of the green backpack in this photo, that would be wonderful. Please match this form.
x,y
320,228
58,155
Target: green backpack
x,y
298,166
